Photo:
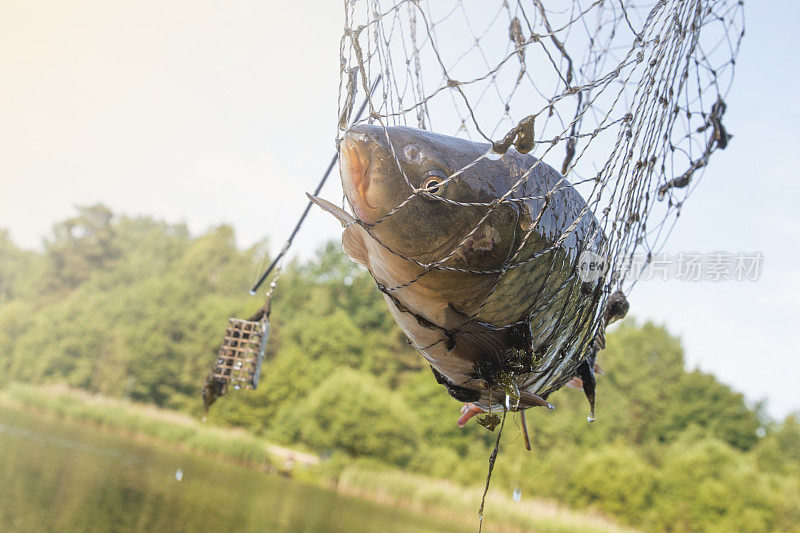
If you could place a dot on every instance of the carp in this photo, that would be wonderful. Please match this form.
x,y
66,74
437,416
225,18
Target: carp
x,y
477,255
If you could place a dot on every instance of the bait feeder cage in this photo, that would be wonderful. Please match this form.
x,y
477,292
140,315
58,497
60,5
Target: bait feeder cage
x,y
242,352
239,359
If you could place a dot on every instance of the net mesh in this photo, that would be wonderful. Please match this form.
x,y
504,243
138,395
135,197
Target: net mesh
x,y
625,98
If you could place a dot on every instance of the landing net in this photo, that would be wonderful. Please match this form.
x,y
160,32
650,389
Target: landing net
x,y
625,98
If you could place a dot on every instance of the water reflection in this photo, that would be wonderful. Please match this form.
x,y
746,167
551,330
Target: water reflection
x,y
57,476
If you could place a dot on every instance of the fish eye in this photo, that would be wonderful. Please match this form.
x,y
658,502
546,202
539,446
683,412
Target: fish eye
x,y
433,182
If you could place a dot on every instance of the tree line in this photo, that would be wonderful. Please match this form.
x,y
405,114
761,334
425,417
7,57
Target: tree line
x,y
135,307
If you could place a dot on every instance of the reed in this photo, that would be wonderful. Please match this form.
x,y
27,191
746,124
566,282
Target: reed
x,y
143,420
461,503
366,479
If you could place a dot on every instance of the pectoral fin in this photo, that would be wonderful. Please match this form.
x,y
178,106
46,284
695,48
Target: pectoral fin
x,y
353,244
353,236
345,218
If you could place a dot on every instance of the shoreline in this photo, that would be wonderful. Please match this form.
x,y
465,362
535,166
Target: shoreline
x,y
384,485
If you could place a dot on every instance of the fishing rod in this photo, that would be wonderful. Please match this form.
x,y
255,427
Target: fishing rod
x,y
316,193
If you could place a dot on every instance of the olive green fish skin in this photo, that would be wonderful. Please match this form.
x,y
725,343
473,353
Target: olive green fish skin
x,y
488,293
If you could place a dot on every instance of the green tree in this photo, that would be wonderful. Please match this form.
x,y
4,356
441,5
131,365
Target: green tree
x,y
700,399
352,412
17,268
779,450
137,307
616,480
81,246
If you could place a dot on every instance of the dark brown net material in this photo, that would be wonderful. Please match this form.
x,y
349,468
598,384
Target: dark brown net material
x,y
625,98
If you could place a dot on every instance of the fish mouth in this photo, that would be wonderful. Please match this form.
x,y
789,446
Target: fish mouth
x,y
373,184
356,170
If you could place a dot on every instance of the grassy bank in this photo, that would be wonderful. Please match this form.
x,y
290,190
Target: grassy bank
x,y
143,421
365,479
454,501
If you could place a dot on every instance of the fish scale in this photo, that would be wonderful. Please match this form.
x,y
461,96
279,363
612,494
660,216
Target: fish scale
x,y
482,275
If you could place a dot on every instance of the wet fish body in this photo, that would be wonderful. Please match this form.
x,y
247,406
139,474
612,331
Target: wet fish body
x,y
477,257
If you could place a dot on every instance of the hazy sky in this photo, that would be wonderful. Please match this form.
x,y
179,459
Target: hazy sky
x,y
212,112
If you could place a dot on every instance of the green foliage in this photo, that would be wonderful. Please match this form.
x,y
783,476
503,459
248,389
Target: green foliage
x,y
616,479
352,412
16,275
143,420
699,399
134,308
708,485
81,246
779,451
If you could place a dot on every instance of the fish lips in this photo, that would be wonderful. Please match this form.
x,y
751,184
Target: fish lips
x,y
361,149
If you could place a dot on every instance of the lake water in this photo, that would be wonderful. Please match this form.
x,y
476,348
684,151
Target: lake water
x,y
62,476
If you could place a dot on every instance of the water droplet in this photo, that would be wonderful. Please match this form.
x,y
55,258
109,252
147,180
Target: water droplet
x,y
590,418
204,418
178,474
517,495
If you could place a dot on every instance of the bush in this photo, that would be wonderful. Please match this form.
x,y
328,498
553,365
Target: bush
x,y
615,480
353,412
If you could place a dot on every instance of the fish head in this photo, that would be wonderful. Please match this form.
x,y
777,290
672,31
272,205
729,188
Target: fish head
x,y
411,189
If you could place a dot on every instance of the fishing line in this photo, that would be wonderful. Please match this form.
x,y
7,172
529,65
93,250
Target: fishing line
x,y
492,459
302,219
